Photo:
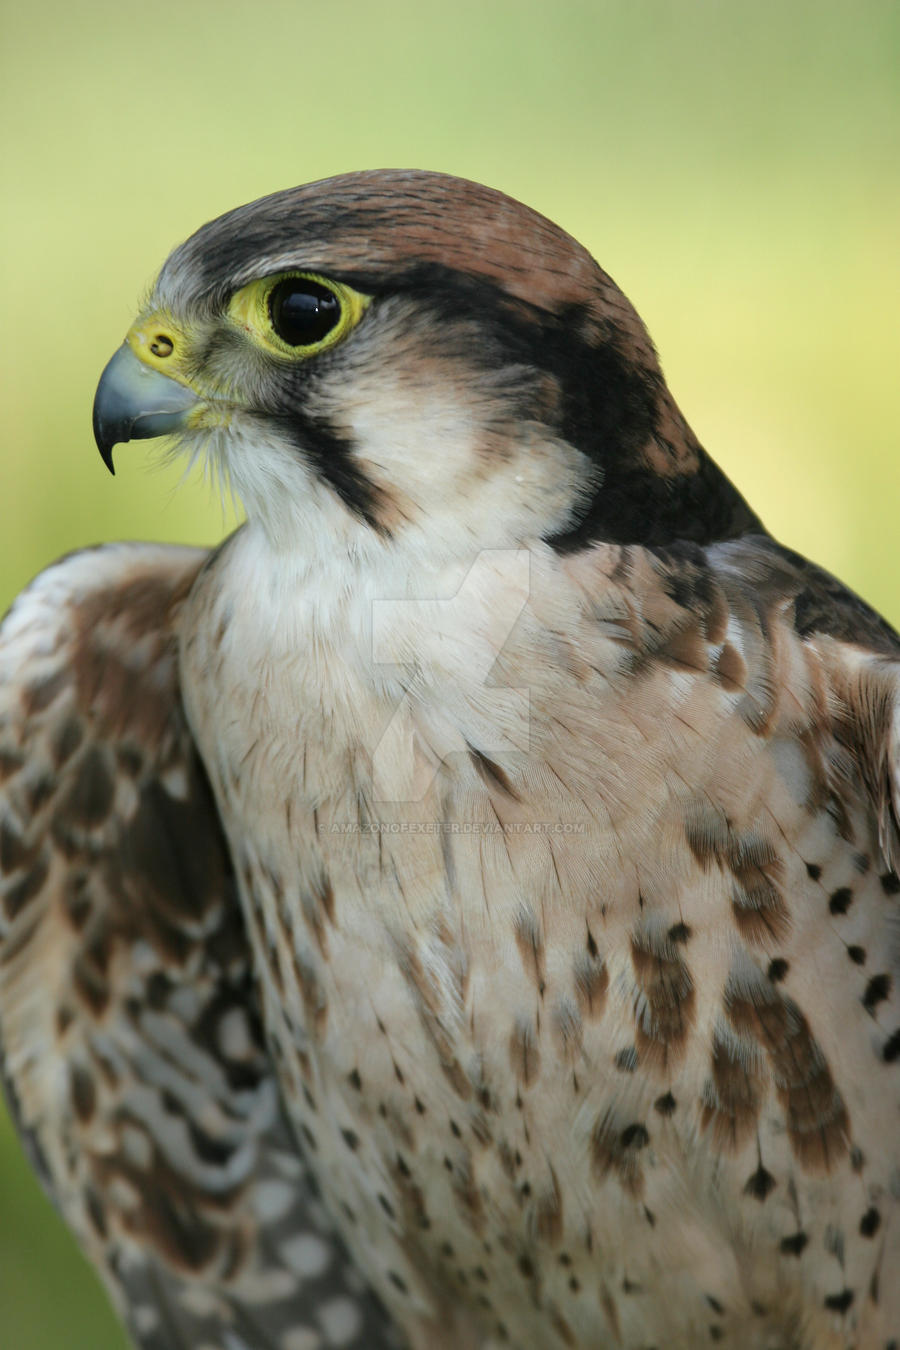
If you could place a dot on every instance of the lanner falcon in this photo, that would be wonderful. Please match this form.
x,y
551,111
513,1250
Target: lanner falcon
x,y
475,882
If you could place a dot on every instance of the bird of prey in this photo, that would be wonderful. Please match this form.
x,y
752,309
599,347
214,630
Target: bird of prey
x,y
476,881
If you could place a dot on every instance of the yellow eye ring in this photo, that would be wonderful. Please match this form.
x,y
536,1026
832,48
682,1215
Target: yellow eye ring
x,y
297,314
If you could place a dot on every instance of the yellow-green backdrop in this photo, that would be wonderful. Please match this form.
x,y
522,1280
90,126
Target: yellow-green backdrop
x,y
736,167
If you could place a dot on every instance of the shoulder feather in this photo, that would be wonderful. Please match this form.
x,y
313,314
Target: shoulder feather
x,y
131,1051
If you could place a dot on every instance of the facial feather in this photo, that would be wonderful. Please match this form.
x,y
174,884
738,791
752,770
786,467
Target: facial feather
x,y
488,331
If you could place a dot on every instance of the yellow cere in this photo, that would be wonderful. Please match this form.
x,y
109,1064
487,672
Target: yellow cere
x,y
159,342
249,308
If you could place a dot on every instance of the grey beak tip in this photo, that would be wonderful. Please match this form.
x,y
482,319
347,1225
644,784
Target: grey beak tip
x,y
104,444
134,402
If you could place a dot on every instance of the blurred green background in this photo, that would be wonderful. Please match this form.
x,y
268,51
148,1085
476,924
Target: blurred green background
x,y
735,166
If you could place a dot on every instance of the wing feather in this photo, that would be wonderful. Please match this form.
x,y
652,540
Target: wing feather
x,y
131,1051
859,648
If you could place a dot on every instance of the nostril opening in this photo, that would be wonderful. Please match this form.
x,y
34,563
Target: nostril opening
x,y
162,345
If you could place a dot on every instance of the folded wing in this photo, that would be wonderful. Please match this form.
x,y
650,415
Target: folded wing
x,y
131,1052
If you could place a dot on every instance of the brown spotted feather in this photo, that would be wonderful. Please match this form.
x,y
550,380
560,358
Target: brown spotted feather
x,y
130,1044
666,1050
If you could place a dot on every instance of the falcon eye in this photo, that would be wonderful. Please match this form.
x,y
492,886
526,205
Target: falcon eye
x,y
303,311
296,315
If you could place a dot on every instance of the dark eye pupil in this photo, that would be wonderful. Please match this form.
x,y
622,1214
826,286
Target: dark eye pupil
x,y
303,312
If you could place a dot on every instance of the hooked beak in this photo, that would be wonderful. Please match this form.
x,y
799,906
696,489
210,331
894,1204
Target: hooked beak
x,y
135,402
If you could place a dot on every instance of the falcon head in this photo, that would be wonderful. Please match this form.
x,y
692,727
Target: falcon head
x,y
392,353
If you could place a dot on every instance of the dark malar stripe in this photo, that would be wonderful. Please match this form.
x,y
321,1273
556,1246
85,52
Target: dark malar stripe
x,y
331,454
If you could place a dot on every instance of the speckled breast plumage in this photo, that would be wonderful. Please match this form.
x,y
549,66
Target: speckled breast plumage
x,y
576,1041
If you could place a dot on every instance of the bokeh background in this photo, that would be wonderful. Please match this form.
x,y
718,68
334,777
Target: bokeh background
x,y
735,166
